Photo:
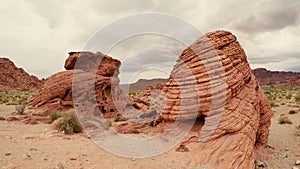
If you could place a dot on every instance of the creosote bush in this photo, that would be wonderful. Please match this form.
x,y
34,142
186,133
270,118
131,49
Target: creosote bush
x,y
20,108
66,122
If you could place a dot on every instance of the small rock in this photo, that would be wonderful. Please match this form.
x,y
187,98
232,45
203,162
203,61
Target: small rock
x,y
8,137
28,137
33,149
73,158
2,118
297,162
7,154
12,119
26,156
133,159
261,164
30,121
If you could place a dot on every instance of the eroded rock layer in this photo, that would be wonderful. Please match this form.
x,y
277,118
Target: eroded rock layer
x,y
212,79
13,78
95,70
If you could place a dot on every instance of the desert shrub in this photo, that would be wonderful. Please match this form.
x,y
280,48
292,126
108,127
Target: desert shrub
x,y
297,98
298,130
55,115
292,112
273,104
284,120
15,97
120,117
66,122
20,108
108,122
289,97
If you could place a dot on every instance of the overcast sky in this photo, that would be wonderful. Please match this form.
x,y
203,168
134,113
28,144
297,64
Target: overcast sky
x,y
37,35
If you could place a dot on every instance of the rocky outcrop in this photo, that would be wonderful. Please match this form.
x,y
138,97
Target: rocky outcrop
x,y
96,69
276,78
13,78
212,80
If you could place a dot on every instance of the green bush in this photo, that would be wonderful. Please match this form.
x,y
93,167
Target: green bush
x,y
66,122
55,115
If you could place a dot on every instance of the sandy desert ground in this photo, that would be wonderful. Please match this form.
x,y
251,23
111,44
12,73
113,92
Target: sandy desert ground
x,y
27,146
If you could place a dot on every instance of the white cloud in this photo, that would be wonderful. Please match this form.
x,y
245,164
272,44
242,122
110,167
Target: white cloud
x,y
37,35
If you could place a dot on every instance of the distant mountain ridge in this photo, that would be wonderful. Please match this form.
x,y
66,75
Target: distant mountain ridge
x,y
277,78
14,78
141,84
264,76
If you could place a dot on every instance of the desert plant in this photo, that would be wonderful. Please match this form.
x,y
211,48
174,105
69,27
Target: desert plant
x,y
273,104
298,130
292,112
289,97
108,123
297,98
120,117
284,120
55,115
66,122
20,108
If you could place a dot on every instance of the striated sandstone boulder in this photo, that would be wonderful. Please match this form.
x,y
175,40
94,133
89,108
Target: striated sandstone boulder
x,y
227,96
13,78
96,69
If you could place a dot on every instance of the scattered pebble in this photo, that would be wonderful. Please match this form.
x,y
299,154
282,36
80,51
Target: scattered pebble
x,y
295,167
33,149
297,162
261,164
7,154
73,158
26,156
12,119
2,118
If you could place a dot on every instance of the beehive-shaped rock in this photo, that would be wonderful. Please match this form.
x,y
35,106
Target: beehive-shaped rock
x,y
213,79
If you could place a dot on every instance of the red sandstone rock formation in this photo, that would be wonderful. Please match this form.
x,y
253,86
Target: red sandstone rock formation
x,y
234,129
13,78
99,70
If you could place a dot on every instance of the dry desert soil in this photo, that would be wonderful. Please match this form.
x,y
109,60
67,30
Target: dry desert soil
x,y
25,146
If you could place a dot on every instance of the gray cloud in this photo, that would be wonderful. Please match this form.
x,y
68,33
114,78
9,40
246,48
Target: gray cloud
x,y
269,16
37,35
